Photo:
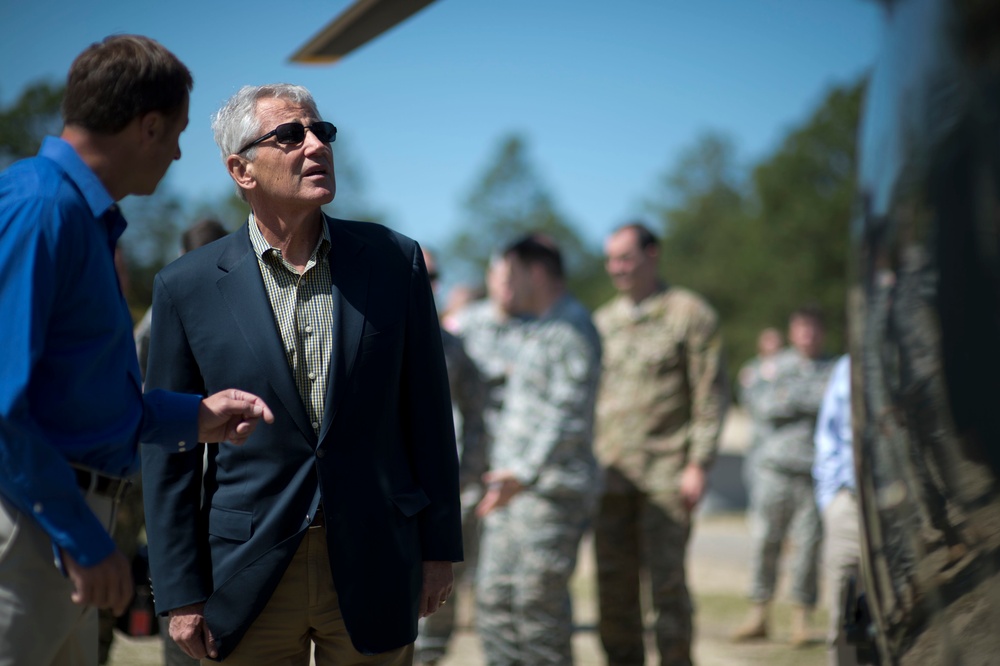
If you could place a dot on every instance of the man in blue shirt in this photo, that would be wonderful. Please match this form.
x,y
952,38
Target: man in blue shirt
x,y
71,405
833,471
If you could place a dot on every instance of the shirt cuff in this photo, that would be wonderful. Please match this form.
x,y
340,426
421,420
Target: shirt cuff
x,y
170,420
74,528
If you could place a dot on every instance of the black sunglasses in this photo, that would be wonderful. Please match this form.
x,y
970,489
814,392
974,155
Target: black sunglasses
x,y
289,134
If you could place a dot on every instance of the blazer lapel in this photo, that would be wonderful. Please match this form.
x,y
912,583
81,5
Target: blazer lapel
x,y
243,290
349,275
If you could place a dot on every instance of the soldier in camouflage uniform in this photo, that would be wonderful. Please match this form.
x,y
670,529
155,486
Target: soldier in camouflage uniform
x,y
659,415
782,501
492,337
468,397
752,376
543,479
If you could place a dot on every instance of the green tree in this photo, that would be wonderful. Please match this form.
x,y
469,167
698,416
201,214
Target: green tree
x,y
702,208
508,200
759,245
155,223
33,116
804,198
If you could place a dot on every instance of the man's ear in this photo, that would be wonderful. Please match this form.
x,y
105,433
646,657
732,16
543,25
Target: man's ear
x,y
152,126
241,171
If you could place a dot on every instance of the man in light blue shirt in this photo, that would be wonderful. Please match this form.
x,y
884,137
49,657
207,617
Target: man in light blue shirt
x,y
72,410
833,471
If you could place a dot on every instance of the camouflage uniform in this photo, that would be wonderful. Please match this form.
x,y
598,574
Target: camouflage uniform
x,y
492,342
661,406
468,397
782,502
754,374
529,548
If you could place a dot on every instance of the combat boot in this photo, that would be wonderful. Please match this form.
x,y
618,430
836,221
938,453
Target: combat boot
x,y
800,627
755,626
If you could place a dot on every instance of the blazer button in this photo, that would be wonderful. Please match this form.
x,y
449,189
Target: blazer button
x,y
320,453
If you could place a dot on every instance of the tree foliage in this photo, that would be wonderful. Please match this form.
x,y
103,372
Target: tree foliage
x,y
33,116
759,246
511,199
804,197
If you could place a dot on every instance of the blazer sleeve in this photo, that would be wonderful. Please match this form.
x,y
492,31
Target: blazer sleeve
x,y
427,408
172,487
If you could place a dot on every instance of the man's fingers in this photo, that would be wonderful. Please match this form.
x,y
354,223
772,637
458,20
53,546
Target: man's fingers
x,y
429,607
108,584
193,647
122,597
189,632
209,641
81,595
253,406
490,501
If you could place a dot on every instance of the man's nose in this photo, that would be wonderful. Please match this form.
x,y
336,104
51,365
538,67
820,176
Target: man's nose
x,y
313,143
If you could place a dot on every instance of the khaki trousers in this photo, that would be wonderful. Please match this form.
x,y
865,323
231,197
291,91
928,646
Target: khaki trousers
x,y
302,614
841,560
39,624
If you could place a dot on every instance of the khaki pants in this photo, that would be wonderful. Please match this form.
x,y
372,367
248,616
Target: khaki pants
x,y
841,560
41,625
304,610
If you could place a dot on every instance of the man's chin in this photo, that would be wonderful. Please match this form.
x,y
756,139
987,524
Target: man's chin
x,y
323,196
622,284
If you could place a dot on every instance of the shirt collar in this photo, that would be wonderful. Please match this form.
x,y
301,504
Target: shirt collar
x,y
262,247
90,186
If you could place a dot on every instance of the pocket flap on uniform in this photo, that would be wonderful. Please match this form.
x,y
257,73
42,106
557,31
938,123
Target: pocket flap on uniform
x,y
230,523
411,503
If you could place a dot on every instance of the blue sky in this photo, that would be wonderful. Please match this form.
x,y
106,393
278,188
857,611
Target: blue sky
x,y
607,93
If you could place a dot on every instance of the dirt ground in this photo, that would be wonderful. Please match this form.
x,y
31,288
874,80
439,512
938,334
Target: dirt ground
x,y
717,576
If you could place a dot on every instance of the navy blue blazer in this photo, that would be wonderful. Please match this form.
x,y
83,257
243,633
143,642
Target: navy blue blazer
x,y
384,464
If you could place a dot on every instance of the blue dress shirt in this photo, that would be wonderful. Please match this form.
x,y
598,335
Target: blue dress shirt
x,y
69,379
833,467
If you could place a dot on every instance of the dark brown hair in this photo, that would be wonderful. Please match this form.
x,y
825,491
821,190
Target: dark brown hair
x,y
808,311
645,237
536,248
121,78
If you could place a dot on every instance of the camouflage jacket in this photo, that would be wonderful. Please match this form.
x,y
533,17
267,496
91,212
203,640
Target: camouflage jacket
x,y
753,376
786,408
468,400
663,393
545,434
492,342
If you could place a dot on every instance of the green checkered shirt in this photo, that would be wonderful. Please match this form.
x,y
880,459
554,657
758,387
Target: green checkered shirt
x,y
303,310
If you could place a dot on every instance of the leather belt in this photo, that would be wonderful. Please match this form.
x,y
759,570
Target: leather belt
x,y
111,487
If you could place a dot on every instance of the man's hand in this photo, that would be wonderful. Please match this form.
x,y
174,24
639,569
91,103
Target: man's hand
x,y
501,487
230,416
692,485
438,580
190,631
107,584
